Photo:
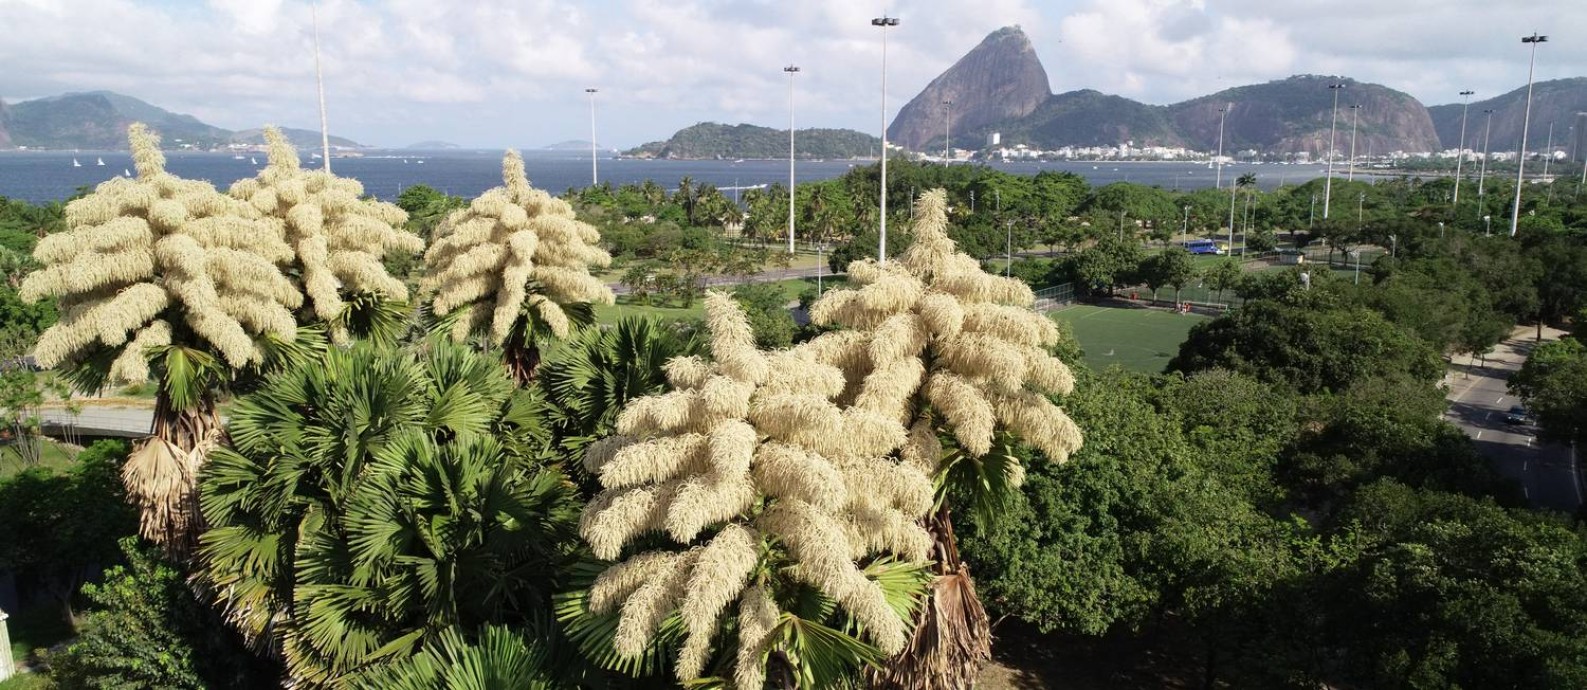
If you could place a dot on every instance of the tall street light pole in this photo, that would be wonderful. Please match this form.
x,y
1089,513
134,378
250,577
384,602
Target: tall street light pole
x,y
1328,186
1355,118
1526,121
791,70
593,157
319,83
1222,113
1465,102
1482,172
947,130
884,21
1548,153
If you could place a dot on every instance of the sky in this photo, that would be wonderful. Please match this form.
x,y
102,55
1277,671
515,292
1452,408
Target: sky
x,y
498,73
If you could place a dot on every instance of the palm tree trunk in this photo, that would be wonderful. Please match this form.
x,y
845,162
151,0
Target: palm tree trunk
x,y
161,474
953,637
522,361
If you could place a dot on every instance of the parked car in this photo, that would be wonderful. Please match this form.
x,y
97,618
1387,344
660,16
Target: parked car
x,y
1517,415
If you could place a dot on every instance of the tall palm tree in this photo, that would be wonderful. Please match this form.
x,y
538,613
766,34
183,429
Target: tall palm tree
x,y
747,495
160,277
514,267
339,239
958,357
377,499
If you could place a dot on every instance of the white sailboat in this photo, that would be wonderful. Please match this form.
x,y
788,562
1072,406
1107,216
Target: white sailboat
x,y
100,161
126,173
253,160
75,164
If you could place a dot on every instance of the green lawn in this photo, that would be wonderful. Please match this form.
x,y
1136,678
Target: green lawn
x,y
55,456
36,628
1137,339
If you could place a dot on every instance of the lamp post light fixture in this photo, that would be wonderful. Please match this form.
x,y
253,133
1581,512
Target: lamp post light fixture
x,y
1548,153
1355,118
791,70
1218,183
1328,186
947,130
1482,172
1460,154
594,157
883,21
1526,121
1487,222
1185,230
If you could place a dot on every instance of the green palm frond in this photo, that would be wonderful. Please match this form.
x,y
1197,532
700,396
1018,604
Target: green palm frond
x,y
593,633
190,374
371,500
496,658
985,482
370,316
820,656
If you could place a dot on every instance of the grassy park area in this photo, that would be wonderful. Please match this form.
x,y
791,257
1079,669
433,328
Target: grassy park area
x,y
1140,340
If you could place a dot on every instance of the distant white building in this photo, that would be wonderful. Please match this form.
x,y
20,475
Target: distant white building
x,y
994,140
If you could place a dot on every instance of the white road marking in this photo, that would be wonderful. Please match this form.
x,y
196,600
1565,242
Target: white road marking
x,y
1523,465
1479,434
1526,492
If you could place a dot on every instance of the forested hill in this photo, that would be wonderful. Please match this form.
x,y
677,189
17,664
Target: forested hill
x,y
711,140
99,119
1555,101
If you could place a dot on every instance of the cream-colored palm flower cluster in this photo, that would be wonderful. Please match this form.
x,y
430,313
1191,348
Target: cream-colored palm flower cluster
x,y
514,247
749,459
339,238
138,246
933,323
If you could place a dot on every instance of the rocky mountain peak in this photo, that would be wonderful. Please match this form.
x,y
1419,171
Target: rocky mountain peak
x,y
1001,79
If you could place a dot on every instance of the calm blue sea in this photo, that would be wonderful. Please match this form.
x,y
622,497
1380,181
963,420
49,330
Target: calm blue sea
x,y
39,176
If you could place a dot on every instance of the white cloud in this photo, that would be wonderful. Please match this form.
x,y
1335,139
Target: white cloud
x,y
493,72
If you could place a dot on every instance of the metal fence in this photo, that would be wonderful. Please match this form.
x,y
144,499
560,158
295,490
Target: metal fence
x,y
1051,298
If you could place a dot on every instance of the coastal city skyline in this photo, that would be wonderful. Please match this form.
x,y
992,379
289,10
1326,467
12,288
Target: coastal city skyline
x,y
510,74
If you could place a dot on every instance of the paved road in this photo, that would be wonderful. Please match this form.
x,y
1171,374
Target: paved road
x,y
97,420
1479,400
764,277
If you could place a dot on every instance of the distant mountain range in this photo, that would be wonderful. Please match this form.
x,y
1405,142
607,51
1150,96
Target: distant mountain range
x,y
99,120
1001,86
710,140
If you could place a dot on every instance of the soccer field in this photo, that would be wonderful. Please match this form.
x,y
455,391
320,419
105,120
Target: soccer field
x,y
1137,339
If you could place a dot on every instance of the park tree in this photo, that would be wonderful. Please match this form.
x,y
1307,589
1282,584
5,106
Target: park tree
x,y
426,207
1495,594
376,498
1223,276
339,239
1309,347
514,268
1172,266
1109,263
167,278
